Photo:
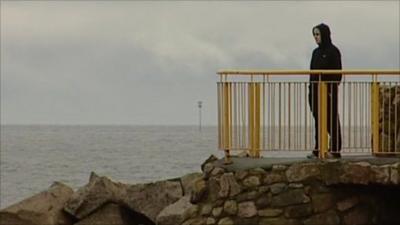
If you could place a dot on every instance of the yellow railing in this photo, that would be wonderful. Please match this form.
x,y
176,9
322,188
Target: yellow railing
x,y
260,110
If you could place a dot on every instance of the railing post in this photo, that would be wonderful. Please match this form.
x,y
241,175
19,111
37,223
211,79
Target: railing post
x,y
227,121
323,119
375,115
254,119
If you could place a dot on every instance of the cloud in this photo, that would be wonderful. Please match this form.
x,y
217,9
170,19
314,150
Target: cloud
x,y
150,62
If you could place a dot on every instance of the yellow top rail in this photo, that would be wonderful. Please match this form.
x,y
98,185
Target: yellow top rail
x,y
307,72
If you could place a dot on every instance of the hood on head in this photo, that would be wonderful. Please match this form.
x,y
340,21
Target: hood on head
x,y
325,34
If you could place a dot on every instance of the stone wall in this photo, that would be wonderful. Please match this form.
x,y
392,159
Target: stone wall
x,y
389,121
249,191
317,192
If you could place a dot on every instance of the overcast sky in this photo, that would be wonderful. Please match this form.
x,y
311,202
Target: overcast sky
x,y
127,62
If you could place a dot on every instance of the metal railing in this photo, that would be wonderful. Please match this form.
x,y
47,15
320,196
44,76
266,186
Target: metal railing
x,y
263,111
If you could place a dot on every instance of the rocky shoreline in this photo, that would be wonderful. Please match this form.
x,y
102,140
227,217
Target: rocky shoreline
x,y
363,191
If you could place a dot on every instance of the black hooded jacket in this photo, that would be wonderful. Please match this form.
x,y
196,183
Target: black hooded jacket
x,y
326,56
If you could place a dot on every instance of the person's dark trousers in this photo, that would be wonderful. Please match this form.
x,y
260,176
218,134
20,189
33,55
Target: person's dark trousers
x,y
333,115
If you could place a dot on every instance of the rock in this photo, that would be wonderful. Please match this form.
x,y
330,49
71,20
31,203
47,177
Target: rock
x,y
278,188
230,207
216,212
43,208
380,174
195,221
113,214
270,212
247,209
208,168
395,173
300,172
358,216
257,171
150,199
206,209
264,200
191,212
187,182
226,221
241,174
252,181
229,186
296,211
296,185
199,190
210,159
274,178
291,197
247,196
210,221
322,202
356,173
331,172
217,171
278,167
347,203
213,189
147,199
174,213
90,197
279,221
246,221
328,218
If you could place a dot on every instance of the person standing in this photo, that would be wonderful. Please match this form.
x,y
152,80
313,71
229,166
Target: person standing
x,y
325,57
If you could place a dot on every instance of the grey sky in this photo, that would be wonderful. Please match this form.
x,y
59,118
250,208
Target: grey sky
x,y
127,62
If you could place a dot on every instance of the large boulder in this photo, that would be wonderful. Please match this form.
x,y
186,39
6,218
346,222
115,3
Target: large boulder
x,y
147,199
174,214
92,196
113,214
109,214
43,208
188,182
150,199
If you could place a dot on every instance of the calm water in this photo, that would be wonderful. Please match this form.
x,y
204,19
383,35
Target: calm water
x,y
32,157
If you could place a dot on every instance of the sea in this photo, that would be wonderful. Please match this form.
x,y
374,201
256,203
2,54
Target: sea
x,y
32,157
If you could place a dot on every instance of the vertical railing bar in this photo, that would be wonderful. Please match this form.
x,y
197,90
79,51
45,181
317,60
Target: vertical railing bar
x,y
297,115
269,113
382,93
289,115
369,116
350,114
330,101
244,116
305,116
357,119
395,118
364,133
361,114
219,116
237,88
273,108
310,115
263,97
233,115
280,115
284,116
343,110
238,114
390,112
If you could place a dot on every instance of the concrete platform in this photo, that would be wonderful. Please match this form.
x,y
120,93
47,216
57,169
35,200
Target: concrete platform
x,y
266,163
